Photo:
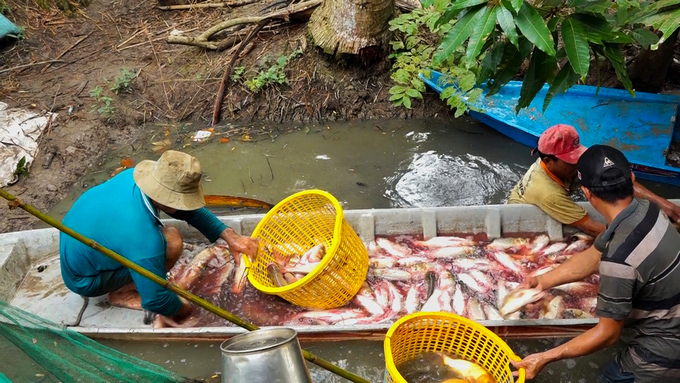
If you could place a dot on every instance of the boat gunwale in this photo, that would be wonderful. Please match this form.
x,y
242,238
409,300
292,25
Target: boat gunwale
x,y
369,222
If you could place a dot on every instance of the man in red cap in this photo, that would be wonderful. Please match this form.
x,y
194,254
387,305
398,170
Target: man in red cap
x,y
549,182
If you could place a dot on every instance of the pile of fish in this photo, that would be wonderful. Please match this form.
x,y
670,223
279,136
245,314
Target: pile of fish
x,y
475,279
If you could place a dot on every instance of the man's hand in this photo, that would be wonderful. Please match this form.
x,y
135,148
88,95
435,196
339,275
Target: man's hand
x,y
672,211
533,364
531,282
240,244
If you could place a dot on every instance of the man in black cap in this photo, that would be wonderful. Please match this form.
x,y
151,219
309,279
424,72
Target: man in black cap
x,y
638,257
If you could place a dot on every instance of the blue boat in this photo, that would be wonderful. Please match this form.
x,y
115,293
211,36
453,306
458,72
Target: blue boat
x,y
643,127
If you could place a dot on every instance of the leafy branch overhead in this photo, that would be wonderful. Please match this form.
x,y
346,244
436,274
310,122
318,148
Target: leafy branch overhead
x,y
494,38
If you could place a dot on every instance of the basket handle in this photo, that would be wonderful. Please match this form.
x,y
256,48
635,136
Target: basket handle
x,y
521,372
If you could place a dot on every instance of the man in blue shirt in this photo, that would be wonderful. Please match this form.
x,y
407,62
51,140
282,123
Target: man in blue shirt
x,y
122,214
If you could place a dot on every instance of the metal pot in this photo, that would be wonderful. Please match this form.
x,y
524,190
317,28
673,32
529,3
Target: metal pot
x,y
264,356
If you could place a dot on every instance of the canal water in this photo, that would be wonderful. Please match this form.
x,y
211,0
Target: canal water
x,y
365,358
374,164
368,164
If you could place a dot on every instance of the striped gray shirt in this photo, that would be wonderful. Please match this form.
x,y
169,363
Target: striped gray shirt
x,y
640,284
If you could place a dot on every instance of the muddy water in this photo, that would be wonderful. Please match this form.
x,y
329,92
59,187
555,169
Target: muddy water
x,y
365,358
394,163
365,165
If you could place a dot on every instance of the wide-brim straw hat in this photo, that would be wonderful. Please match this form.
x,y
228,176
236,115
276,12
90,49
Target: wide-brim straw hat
x,y
173,180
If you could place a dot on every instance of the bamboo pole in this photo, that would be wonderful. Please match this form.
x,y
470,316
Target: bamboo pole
x,y
15,202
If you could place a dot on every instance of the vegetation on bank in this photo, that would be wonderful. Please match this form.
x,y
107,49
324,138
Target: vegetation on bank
x,y
488,42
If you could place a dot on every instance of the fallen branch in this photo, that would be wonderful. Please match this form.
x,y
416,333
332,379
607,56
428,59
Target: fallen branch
x,y
190,6
66,50
31,64
230,67
296,11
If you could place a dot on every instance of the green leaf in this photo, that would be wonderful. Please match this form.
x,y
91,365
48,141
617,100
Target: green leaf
x,y
441,5
486,21
645,37
466,81
397,89
507,23
516,5
539,67
510,64
533,27
622,16
669,24
613,53
395,97
465,4
457,36
595,28
576,46
432,22
552,23
563,81
418,85
491,61
397,45
407,102
426,3
447,16
448,92
595,6
413,93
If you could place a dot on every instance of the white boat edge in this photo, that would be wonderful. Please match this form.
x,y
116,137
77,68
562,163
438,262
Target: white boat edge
x,y
20,250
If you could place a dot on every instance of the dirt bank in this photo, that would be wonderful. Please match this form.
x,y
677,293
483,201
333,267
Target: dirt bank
x,y
172,83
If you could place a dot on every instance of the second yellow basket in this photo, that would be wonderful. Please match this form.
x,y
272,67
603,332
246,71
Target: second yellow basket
x,y
451,334
297,224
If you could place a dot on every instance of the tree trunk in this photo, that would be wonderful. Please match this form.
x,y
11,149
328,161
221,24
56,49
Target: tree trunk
x,y
648,70
355,27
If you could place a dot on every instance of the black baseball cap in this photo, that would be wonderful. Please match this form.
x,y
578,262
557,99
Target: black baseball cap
x,y
601,160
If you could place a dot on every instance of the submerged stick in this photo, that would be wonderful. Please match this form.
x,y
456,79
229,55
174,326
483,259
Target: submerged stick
x,y
15,202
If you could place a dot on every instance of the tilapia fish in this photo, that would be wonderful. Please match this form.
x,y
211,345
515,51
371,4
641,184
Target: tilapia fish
x,y
553,309
436,367
437,242
393,249
517,299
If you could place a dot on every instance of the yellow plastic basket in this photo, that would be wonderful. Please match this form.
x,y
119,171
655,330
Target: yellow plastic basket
x,y
297,224
452,334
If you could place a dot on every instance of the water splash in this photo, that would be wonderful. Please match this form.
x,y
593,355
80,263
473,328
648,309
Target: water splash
x,y
432,179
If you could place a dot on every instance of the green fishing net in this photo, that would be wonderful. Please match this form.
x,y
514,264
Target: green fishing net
x,y
58,354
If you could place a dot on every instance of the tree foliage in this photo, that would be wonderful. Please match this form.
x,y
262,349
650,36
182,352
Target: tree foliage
x,y
559,38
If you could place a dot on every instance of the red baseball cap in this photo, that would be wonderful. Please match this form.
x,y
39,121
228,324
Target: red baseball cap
x,y
563,142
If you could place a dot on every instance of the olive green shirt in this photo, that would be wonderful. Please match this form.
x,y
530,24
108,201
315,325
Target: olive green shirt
x,y
541,188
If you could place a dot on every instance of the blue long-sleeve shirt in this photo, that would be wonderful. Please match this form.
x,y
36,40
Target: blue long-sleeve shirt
x,y
117,215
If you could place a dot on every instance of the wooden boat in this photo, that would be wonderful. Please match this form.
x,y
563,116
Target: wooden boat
x,y
642,127
30,273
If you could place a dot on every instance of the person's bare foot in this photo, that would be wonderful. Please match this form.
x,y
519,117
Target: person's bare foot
x,y
127,296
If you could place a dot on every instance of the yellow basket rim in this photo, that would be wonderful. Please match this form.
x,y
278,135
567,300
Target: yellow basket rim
x,y
324,262
389,360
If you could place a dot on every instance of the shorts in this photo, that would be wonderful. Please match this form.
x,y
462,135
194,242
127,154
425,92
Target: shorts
x,y
108,281
614,374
